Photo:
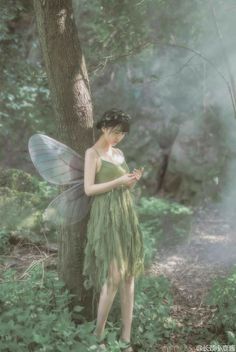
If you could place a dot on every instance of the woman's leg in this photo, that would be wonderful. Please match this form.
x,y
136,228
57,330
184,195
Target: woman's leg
x,y
107,295
127,303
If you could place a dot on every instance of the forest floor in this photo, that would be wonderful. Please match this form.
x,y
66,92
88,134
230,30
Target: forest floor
x,y
191,267
209,252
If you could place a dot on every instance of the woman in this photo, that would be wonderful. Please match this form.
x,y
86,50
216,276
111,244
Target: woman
x,y
114,252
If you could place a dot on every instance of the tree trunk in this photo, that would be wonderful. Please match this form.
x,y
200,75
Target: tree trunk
x,y
69,87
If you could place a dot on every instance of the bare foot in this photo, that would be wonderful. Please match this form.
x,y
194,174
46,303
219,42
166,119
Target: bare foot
x,y
102,346
128,348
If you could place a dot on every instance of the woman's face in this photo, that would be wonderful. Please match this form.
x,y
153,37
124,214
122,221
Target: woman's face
x,y
113,135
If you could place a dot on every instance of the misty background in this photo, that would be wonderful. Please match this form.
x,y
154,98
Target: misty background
x,y
169,64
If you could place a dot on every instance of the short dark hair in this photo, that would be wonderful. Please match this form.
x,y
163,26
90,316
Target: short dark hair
x,y
114,117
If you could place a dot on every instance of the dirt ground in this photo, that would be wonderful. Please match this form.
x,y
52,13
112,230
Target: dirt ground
x,y
191,267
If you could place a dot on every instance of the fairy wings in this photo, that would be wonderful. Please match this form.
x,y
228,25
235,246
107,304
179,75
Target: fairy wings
x,y
61,165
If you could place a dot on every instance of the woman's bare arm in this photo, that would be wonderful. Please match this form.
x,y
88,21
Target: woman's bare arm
x,y
90,187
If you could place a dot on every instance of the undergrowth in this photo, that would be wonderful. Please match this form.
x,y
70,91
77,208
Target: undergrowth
x,y
222,297
35,315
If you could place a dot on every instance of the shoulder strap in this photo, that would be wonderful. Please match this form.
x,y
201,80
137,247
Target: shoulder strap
x,y
97,152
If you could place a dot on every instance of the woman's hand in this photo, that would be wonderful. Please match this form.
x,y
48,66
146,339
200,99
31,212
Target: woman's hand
x,y
137,173
130,179
127,179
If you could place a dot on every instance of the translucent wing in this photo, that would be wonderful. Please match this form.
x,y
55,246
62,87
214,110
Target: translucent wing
x,y
55,162
61,165
69,207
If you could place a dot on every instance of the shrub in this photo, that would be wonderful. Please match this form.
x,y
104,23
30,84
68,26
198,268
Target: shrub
x,y
152,321
35,314
166,221
21,212
18,180
223,296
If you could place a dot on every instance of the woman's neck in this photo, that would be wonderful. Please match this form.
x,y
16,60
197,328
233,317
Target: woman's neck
x,y
104,146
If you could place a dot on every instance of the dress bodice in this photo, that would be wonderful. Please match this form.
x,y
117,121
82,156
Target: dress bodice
x,y
110,171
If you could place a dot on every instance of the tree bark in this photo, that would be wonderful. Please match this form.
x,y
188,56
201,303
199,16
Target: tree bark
x,y
70,91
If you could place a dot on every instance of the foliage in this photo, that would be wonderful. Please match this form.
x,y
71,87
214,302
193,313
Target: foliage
x,y
152,321
107,32
10,11
18,180
25,104
164,222
26,98
145,21
35,314
223,297
4,240
22,202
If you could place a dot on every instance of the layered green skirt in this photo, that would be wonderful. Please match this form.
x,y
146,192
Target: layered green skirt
x,y
113,232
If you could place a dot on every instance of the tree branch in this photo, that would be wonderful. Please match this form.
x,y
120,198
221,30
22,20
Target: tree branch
x,y
136,50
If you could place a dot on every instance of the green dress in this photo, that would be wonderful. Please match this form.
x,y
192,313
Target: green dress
x,y
113,231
